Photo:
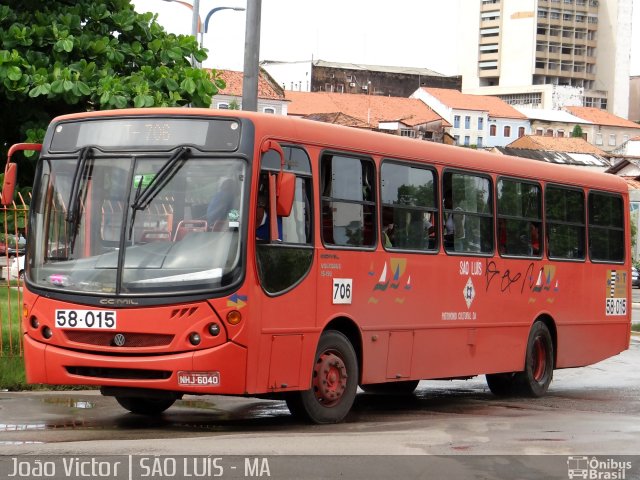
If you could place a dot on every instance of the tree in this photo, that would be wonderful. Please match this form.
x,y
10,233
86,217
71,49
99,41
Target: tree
x,y
577,131
63,56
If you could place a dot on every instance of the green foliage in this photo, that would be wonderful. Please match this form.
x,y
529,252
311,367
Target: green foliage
x,y
59,57
577,131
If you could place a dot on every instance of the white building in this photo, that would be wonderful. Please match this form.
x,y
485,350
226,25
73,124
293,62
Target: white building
x,y
483,121
548,53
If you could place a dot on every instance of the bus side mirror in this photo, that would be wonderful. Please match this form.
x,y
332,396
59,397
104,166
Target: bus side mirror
x,y
286,190
285,184
9,184
11,171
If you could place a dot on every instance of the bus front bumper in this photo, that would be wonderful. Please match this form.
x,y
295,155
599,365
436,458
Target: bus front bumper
x,y
218,370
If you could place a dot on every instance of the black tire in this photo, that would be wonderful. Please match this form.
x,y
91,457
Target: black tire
x,y
405,387
501,384
145,406
333,384
534,381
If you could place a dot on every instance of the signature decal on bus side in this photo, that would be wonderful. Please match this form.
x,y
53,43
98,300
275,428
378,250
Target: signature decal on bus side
x,y
616,294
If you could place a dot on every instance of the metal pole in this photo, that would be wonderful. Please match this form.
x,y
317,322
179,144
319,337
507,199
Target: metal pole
x,y
251,56
194,27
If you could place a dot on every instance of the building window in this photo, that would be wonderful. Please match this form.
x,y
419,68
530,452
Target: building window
x,y
340,88
467,140
456,121
520,132
598,139
492,130
467,122
507,131
560,133
407,132
539,131
612,140
223,106
269,110
479,142
549,132
457,139
480,123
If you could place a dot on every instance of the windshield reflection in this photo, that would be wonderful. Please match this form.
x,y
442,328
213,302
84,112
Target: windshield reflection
x,y
136,228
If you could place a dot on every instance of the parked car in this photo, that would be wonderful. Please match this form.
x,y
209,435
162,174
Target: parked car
x,y
10,245
635,277
16,268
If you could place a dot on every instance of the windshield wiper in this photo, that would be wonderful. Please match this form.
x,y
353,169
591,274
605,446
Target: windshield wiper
x,y
81,173
144,197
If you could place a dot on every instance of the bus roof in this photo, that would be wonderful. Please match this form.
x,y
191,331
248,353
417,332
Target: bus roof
x,y
328,136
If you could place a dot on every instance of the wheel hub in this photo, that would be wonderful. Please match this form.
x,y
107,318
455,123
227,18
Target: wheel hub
x,y
329,379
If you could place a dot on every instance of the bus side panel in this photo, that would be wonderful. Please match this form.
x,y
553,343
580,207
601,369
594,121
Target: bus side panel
x,y
580,345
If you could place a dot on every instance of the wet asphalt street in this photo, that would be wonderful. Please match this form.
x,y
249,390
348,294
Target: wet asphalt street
x,y
591,410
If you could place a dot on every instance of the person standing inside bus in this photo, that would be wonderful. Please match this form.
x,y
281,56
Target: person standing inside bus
x,y
262,219
223,202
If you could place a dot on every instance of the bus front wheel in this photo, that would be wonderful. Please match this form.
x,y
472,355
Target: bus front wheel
x,y
333,384
145,406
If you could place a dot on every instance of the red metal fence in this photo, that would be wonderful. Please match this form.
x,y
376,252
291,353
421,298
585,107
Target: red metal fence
x,y
13,222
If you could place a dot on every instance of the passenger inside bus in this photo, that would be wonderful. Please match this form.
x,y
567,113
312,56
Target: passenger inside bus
x,y
262,216
223,202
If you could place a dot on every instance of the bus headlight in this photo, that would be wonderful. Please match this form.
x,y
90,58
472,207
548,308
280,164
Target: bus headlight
x,y
194,338
214,329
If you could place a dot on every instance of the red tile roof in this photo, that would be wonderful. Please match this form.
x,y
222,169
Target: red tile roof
x,y
456,99
601,117
267,88
337,118
370,109
556,144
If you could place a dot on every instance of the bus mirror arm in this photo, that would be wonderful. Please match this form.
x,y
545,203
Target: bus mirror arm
x,y
286,183
11,171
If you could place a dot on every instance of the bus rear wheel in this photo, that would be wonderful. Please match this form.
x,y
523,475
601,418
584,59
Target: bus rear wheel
x,y
405,387
333,384
145,406
534,381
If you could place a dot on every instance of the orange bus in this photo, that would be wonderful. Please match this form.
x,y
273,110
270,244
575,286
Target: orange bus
x,y
175,251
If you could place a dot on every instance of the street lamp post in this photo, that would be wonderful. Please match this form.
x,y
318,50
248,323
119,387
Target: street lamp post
x,y
217,9
196,23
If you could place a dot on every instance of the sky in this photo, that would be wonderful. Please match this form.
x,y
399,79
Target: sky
x,y
400,33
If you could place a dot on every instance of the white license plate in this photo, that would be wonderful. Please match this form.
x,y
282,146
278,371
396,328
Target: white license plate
x,y
91,319
204,379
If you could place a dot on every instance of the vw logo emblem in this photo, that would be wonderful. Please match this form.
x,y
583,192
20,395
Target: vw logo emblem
x,y
119,340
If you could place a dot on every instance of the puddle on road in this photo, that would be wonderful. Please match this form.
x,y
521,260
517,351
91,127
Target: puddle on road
x,y
68,402
21,427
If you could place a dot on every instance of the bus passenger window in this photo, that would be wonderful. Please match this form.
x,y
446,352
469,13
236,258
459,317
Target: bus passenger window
x,y
606,227
519,218
348,201
408,207
565,227
467,213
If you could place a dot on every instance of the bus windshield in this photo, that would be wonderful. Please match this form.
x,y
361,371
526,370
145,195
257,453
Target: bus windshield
x,y
143,224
